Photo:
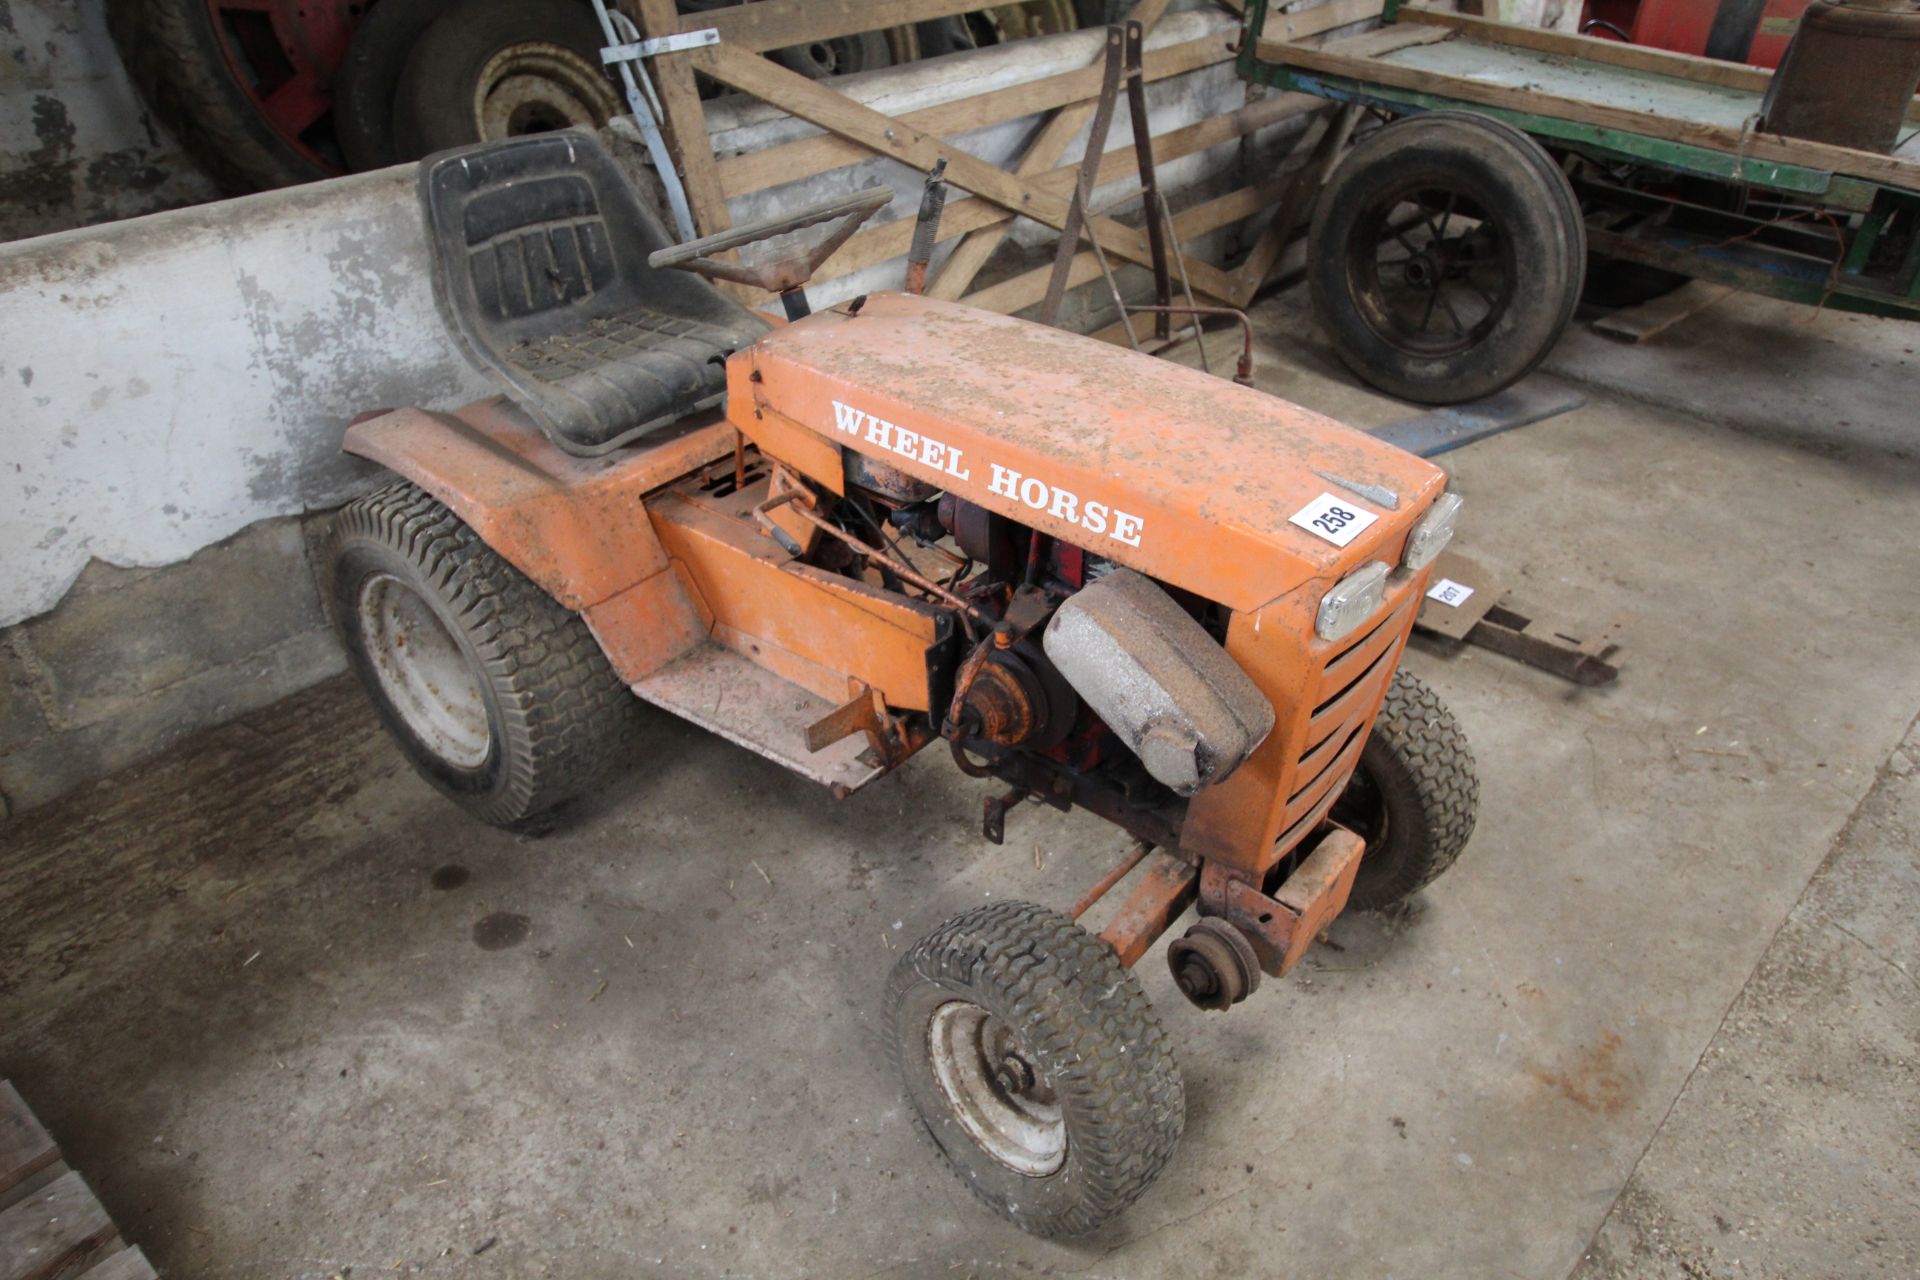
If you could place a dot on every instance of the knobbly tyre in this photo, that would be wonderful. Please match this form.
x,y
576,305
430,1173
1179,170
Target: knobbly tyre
x,y
1101,580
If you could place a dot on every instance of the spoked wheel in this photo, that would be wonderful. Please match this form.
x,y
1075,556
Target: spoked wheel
x,y
1446,256
499,695
1036,1065
1413,798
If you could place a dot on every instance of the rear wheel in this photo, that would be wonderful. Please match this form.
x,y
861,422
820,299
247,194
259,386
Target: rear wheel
x,y
1445,257
499,695
1036,1065
1414,797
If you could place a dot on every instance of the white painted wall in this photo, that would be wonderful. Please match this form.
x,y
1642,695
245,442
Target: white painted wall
x,y
169,380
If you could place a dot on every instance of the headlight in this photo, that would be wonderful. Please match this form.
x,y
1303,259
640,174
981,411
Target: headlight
x,y
1431,536
1353,600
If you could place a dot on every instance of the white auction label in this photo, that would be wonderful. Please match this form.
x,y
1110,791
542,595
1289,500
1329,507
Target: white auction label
x,y
1338,520
1449,592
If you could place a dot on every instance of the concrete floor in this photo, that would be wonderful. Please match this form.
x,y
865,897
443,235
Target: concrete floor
x,y
294,1016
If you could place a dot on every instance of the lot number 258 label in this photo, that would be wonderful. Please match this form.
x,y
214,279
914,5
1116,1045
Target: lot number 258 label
x,y
1338,520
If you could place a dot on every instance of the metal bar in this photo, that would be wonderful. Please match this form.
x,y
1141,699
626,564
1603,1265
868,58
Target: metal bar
x,y
1186,284
1168,888
926,227
1076,218
1113,285
659,44
1133,858
1149,183
620,33
1442,430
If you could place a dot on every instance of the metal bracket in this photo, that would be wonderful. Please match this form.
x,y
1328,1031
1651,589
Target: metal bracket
x,y
636,49
620,34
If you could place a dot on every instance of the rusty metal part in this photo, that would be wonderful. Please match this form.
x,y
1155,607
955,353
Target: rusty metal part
x,y
1243,372
885,479
926,227
1591,662
1164,686
1282,926
1214,965
1132,858
864,712
1124,50
790,273
1153,820
1167,889
1004,702
1847,78
993,814
905,571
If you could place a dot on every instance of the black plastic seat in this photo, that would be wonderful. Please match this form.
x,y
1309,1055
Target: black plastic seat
x,y
540,267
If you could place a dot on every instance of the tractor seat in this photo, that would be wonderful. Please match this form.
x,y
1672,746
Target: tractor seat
x,y
540,268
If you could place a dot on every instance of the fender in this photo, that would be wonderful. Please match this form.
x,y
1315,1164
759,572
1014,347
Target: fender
x,y
578,527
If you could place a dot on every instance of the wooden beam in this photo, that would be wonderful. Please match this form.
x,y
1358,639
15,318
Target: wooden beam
x,y
799,96
805,157
890,240
960,268
1694,133
1028,288
686,121
1042,154
776,24
1302,189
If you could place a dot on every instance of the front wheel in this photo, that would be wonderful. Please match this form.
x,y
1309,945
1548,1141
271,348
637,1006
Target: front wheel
x,y
499,695
1445,257
1413,798
1036,1065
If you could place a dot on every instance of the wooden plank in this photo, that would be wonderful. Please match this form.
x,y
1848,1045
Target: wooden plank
x,y
1729,141
810,100
1656,315
26,1149
805,157
1029,287
1684,66
1302,189
962,216
686,121
53,1232
775,24
960,268
128,1264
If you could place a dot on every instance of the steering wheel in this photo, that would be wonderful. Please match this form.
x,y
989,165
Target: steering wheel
x,y
786,274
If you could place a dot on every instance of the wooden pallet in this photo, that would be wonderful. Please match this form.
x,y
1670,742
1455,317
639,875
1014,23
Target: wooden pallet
x,y
51,1227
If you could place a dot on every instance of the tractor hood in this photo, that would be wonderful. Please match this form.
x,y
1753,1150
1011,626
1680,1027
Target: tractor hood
x,y
1182,476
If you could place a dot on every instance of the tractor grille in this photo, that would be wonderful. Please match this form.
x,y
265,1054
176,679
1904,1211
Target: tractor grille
x,y
1345,697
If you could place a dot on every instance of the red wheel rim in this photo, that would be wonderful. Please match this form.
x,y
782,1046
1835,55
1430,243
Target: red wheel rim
x,y
282,54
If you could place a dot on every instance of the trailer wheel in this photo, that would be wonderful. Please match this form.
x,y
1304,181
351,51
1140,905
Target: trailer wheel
x,y
499,695
1445,257
1413,798
492,69
1036,1066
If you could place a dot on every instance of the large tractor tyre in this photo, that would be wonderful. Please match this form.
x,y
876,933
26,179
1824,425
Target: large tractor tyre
x,y
1035,1065
492,69
500,696
364,87
210,70
1413,799
1445,257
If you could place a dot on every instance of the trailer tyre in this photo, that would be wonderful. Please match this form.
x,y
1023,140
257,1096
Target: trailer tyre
x,y
1413,798
1445,257
1035,1064
499,695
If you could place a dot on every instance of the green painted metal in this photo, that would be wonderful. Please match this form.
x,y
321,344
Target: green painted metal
x,y
1756,270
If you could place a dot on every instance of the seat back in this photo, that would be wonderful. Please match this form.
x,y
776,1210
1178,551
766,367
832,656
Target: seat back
x,y
540,267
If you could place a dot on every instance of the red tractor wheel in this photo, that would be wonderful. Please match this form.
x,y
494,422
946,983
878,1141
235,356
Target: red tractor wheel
x,y
246,85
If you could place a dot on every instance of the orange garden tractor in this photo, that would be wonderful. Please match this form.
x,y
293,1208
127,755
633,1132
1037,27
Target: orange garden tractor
x,y
1103,580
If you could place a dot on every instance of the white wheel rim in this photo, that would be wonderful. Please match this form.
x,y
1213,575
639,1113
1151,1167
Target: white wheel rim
x,y
424,674
973,1055
537,87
